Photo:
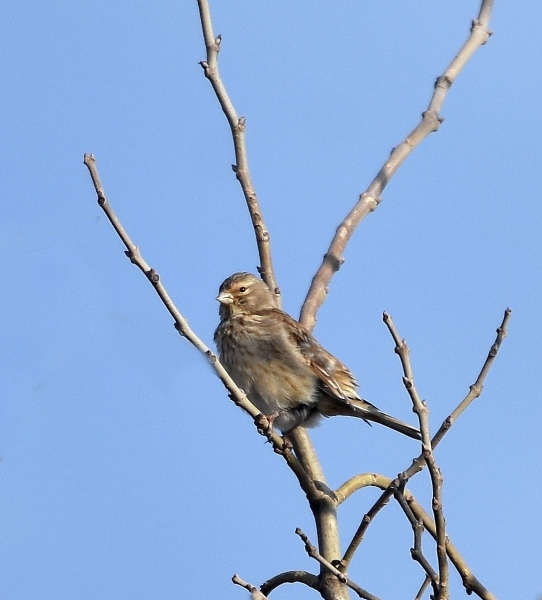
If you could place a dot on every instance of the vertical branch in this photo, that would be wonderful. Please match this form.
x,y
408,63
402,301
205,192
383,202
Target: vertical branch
x,y
370,199
420,408
324,510
237,125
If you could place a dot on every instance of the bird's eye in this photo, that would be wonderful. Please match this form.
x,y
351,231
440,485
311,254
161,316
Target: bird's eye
x,y
242,289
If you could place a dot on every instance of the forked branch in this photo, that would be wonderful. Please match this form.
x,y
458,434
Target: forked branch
x,y
389,486
470,582
475,390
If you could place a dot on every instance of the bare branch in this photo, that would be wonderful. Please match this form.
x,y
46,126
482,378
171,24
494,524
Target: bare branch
x,y
365,522
237,125
420,408
470,582
370,199
311,470
312,551
181,324
342,577
475,392
476,388
255,593
361,481
423,587
308,579
416,552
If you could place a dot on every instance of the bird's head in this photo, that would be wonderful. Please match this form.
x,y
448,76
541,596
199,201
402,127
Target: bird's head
x,y
243,293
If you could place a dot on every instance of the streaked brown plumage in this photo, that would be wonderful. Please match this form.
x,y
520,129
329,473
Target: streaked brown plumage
x,y
284,371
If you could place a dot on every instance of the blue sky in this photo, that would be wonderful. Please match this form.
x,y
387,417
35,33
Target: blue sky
x,y
126,472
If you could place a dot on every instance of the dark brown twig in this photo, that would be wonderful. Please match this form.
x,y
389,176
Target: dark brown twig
x,y
416,552
312,551
237,125
370,199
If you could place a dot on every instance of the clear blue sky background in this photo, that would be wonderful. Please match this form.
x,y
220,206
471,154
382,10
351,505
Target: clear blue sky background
x,y
126,472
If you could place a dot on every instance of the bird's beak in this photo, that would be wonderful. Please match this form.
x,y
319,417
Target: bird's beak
x,y
225,298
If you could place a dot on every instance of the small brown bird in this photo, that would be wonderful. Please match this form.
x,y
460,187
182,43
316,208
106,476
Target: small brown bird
x,y
284,371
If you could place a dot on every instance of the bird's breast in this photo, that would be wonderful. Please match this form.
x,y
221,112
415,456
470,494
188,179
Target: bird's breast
x,y
264,365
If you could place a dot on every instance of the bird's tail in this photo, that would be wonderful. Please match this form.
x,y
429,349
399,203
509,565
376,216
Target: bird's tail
x,y
367,411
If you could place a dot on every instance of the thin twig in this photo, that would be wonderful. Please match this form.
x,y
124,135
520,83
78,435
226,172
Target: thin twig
x,y
365,522
476,388
255,593
370,199
470,582
420,408
416,552
181,324
312,551
309,579
475,391
423,587
237,125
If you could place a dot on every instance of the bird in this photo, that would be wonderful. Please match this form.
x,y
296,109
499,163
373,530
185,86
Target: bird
x,y
285,372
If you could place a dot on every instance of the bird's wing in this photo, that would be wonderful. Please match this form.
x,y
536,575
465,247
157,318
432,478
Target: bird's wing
x,y
335,379
339,386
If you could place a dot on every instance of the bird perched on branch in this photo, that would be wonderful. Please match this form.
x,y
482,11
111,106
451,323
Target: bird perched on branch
x,y
284,371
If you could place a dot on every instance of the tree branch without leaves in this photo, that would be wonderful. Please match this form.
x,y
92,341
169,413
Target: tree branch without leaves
x,y
420,408
371,198
181,324
312,551
394,486
237,125
332,580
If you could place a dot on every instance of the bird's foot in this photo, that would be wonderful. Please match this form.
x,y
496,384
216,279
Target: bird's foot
x,y
286,444
264,424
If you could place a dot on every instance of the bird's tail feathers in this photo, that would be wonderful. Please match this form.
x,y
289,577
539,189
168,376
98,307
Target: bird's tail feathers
x,y
365,410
